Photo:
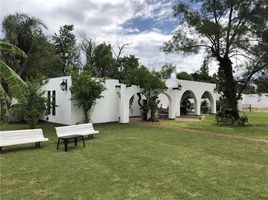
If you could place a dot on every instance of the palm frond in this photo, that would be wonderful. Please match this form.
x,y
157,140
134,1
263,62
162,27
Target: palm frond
x,y
16,85
5,46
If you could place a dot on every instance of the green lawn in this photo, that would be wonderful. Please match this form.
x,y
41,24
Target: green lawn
x,y
136,162
257,128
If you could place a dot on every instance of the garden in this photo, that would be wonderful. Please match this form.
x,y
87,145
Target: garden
x,y
140,161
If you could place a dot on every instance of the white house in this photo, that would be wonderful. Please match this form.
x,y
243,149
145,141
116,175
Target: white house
x,y
115,104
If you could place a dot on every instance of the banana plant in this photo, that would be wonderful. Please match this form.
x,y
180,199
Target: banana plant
x,y
17,87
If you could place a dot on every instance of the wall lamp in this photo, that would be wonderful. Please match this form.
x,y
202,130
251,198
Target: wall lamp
x,y
178,88
63,85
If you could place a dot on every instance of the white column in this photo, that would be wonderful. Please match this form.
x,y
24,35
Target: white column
x,y
172,108
214,106
124,106
197,107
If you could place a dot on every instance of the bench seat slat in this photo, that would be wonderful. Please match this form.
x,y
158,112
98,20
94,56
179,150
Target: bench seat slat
x,y
80,129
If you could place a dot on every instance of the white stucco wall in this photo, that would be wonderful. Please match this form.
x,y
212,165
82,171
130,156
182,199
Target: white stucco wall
x,y
63,109
197,88
106,108
255,100
114,106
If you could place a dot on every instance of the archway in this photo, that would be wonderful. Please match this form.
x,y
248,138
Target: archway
x,y
207,103
188,103
135,110
165,106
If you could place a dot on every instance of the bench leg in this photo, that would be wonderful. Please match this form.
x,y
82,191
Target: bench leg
x,y
83,141
1,148
90,136
75,141
38,144
65,145
58,144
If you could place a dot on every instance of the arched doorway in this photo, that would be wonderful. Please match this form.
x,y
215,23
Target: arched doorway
x,y
164,106
135,109
188,103
207,103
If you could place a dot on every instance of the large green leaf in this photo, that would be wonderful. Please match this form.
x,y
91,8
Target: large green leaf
x,y
16,85
4,99
5,46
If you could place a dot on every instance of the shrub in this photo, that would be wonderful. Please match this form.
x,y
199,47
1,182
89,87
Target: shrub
x,y
35,105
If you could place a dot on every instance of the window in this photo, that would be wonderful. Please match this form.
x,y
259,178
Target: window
x,y
53,102
48,102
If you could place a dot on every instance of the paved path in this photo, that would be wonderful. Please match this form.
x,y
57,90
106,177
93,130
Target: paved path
x,y
157,124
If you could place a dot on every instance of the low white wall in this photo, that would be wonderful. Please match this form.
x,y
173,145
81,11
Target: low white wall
x,y
255,100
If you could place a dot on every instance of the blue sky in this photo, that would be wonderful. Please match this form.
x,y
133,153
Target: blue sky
x,y
144,24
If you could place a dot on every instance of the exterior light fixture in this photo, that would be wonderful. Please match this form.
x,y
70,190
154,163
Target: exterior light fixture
x,y
63,85
118,86
178,88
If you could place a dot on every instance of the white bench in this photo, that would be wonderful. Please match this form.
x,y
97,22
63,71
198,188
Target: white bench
x,y
80,129
8,138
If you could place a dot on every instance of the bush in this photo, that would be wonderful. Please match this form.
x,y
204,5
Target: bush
x,y
204,107
85,91
35,105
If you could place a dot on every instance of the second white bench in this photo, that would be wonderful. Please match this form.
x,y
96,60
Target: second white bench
x,y
80,129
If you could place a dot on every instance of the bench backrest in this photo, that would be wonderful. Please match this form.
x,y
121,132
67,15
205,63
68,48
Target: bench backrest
x,y
21,134
74,129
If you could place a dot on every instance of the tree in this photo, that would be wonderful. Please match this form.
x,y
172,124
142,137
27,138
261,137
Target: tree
x,y
65,44
262,83
202,74
85,91
27,33
35,105
125,65
166,71
225,29
11,83
184,76
103,62
152,86
87,47
22,31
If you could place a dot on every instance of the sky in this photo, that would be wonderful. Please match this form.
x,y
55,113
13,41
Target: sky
x,y
144,24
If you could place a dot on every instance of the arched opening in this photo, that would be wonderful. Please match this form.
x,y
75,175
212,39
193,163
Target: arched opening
x,y
164,106
137,105
207,103
134,108
188,103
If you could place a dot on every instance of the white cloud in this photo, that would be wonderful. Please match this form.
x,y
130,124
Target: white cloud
x,y
103,20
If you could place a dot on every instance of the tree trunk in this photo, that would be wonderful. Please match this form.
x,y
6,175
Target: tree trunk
x,y
86,118
228,86
144,109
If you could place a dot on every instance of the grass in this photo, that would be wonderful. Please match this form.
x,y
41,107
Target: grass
x,y
136,162
257,128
